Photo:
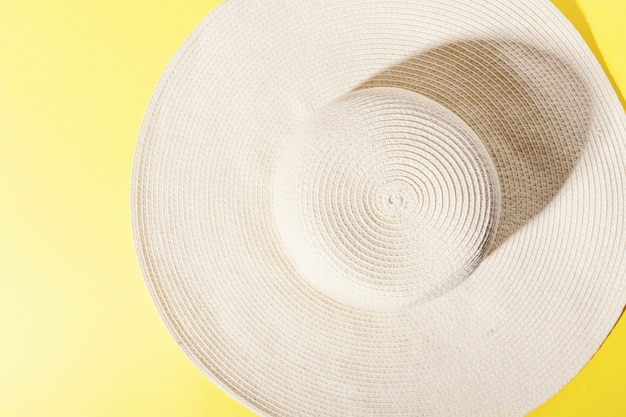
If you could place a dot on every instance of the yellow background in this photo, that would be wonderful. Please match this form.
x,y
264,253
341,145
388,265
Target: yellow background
x,y
80,336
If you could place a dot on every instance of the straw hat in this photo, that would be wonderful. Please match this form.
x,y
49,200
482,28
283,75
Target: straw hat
x,y
384,208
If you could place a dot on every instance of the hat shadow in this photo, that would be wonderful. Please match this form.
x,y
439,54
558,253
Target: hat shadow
x,y
530,108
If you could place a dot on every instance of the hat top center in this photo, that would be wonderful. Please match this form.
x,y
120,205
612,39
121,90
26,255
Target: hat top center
x,y
384,199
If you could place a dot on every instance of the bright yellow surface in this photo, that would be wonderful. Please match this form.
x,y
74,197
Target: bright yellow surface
x,y
80,336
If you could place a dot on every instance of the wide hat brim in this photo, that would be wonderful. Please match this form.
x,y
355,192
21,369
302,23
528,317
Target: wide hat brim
x,y
545,289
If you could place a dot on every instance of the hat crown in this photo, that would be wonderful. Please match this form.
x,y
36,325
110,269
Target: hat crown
x,y
385,198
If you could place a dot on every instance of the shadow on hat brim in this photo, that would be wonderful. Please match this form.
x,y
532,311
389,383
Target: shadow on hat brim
x,y
530,108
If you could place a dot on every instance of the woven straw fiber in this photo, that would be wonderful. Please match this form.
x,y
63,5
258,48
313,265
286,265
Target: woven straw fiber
x,y
384,208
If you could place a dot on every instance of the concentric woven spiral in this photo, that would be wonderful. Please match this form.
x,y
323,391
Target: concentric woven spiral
x,y
385,199
384,208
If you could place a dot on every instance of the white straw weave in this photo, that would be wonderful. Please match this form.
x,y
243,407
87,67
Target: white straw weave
x,y
384,208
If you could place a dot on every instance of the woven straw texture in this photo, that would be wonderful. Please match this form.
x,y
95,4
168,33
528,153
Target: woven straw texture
x,y
384,208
